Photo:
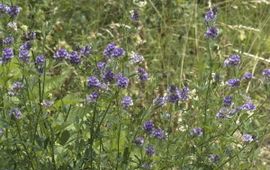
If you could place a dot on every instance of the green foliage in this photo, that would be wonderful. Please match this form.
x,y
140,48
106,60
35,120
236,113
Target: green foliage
x,y
71,133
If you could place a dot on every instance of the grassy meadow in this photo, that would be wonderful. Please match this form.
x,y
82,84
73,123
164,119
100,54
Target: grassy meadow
x,y
134,84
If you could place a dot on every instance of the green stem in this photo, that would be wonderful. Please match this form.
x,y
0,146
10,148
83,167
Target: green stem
x,y
210,63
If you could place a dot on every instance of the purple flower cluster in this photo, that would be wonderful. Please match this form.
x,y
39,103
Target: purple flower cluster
x,y
92,81
159,101
247,76
47,103
112,51
8,41
61,53
15,113
150,129
143,75
247,138
214,158
227,101
233,82
15,88
134,15
211,32
24,52
101,65
249,106
31,35
108,75
150,150
159,133
74,57
174,94
148,126
266,74
39,62
233,60
122,81
12,10
196,131
86,50
92,98
136,58
209,17
139,141
127,102
7,55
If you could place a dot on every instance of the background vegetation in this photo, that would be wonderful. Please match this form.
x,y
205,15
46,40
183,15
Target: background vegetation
x,y
170,34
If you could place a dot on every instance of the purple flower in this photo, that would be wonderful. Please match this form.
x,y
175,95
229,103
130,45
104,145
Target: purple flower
x,y
24,54
159,101
109,50
61,54
122,81
74,57
196,131
173,95
227,101
248,106
92,97
139,141
8,40
101,65
30,35
26,45
184,93
232,112
15,88
220,115
148,126
2,7
136,58
108,76
210,15
117,52
7,55
16,113
92,81
13,11
158,133
247,76
143,75
47,103
134,15
233,60
127,102
233,82
149,150
266,73
40,60
86,50
214,158
211,33
247,138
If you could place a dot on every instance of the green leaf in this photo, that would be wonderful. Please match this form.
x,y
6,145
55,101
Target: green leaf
x,y
64,137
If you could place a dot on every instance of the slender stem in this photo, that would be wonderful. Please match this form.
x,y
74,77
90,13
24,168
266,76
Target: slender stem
x,y
25,148
52,148
210,63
